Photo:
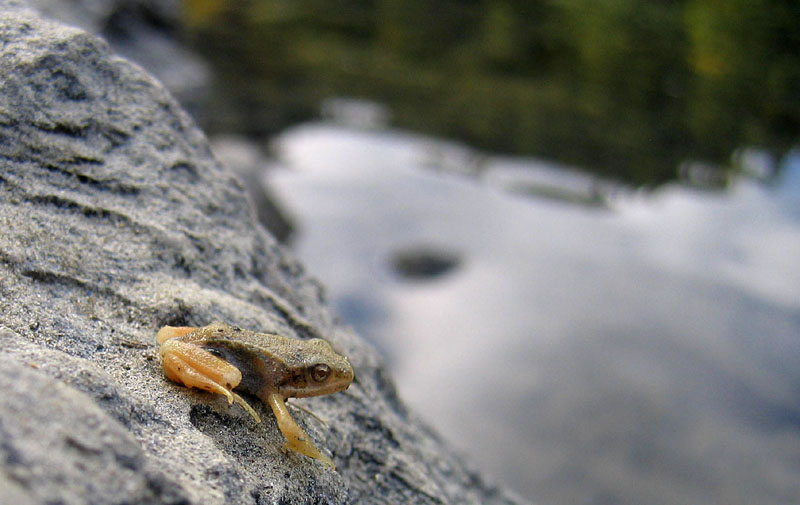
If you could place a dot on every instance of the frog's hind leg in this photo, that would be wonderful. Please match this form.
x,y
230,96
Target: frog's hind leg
x,y
194,367
296,438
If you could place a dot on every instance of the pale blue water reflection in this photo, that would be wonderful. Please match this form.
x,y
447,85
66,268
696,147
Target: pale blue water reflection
x,y
642,350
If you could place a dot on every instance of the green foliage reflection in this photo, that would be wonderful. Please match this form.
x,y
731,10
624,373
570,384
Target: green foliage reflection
x,y
622,87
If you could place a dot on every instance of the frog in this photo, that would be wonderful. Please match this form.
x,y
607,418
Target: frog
x,y
224,360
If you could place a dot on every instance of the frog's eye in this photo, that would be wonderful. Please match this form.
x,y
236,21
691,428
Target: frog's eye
x,y
320,373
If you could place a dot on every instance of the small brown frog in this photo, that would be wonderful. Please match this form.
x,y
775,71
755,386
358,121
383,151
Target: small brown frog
x,y
220,358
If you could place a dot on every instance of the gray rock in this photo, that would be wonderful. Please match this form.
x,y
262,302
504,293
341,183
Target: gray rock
x,y
146,32
116,220
249,163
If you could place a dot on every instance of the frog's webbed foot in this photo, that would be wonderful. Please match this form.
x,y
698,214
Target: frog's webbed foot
x,y
194,367
296,438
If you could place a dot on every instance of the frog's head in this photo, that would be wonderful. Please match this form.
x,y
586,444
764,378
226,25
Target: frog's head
x,y
320,371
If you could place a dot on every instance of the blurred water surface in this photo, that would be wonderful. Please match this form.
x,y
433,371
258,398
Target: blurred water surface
x,y
591,343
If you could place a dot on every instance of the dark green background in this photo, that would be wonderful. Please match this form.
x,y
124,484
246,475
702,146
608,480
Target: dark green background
x,y
624,88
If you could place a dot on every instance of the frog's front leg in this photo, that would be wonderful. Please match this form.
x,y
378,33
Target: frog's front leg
x,y
296,438
191,365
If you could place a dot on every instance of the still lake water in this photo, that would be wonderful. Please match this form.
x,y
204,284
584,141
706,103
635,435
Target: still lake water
x,y
646,350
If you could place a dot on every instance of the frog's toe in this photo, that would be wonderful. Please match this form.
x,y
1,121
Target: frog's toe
x,y
246,406
306,448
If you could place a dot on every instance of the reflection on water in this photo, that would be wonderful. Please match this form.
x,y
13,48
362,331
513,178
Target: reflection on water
x,y
625,88
641,351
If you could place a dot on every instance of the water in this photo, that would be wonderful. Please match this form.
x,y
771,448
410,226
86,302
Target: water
x,y
591,344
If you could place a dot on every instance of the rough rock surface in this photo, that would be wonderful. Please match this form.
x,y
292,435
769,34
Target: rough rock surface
x,y
246,160
116,220
144,31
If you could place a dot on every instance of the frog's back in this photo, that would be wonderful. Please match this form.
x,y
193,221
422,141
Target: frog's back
x,y
284,351
224,332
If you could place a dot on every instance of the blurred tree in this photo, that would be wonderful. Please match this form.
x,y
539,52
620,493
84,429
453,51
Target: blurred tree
x,y
623,87
745,57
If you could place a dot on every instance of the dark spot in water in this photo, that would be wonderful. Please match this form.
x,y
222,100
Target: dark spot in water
x,y
423,262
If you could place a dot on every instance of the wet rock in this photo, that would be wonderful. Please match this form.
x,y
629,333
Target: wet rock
x,y
116,219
